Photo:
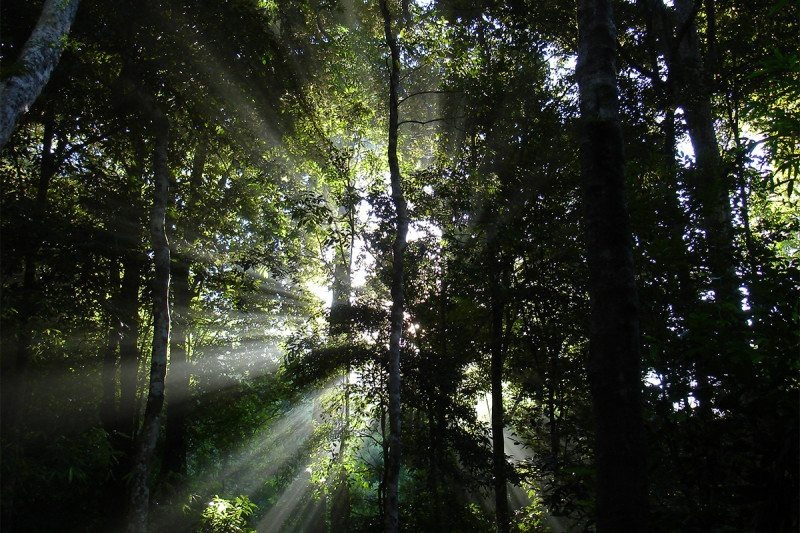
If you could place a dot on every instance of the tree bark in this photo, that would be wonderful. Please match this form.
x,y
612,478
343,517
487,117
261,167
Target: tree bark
x,y
555,438
341,290
690,79
109,414
614,366
129,351
139,497
391,502
342,279
175,446
121,430
177,409
38,58
129,342
709,182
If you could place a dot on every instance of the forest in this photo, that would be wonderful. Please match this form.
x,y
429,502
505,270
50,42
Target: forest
x,y
400,265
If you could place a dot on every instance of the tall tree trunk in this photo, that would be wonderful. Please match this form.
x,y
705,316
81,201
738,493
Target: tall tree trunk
x,y
614,366
555,438
123,429
709,183
392,510
129,344
340,514
690,79
433,462
37,60
342,270
177,408
384,466
342,280
175,446
436,420
146,439
133,263
502,520
109,414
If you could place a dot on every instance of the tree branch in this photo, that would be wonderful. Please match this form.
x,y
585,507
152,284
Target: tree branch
x,y
401,100
638,67
440,119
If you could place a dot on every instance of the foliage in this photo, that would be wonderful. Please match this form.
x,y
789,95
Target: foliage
x,y
227,516
278,120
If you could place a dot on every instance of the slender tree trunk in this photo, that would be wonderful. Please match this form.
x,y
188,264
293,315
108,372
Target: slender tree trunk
x,y
392,511
129,351
342,281
37,60
691,80
384,466
177,408
555,438
340,515
129,345
433,462
146,439
614,366
121,436
709,183
175,445
342,270
502,519
109,414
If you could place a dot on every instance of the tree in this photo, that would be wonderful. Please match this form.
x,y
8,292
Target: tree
x,y
614,371
36,62
151,423
391,513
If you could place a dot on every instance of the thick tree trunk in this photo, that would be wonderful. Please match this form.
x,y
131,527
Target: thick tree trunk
x,y
392,513
614,366
38,58
502,520
139,498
